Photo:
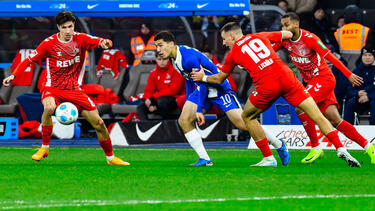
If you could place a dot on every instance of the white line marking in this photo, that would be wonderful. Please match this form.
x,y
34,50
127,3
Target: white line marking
x,y
19,204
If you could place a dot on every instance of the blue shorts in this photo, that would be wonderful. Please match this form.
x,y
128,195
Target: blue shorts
x,y
225,102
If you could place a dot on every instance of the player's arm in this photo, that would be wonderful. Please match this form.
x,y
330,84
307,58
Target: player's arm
x,y
40,52
219,77
93,42
277,36
324,52
203,92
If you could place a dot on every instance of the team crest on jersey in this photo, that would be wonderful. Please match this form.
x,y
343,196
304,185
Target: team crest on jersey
x,y
168,76
76,50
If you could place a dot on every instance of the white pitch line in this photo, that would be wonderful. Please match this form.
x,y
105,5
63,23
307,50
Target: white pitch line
x,y
19,204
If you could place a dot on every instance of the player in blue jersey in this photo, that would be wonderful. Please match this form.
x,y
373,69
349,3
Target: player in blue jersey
x,y
200,99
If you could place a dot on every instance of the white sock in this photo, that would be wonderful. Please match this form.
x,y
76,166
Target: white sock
x,y
271,157
272,140
45,146
341,149
195,141
367,146
317,148
109,158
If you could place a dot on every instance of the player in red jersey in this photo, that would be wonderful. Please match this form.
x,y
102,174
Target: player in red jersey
x,y
273,79
64,54
308,53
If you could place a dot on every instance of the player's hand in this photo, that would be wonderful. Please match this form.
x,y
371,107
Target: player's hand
x,y
363,99
197,76
8,80
355,80
200,119
148,103
99,73
106,43
152,108
361,93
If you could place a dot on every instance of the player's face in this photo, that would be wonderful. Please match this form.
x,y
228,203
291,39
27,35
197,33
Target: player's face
x,y
66,30
289,25
228,39
163,48
161,61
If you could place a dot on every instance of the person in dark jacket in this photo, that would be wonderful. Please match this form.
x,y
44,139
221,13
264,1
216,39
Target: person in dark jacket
x,y
362,98
164,85
320,26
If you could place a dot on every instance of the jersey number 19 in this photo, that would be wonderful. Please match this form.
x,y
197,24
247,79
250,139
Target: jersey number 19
x,y
256,49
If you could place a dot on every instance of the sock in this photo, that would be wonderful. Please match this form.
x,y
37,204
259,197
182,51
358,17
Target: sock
x,y
264,148
272,139
45,146
333,137
309,126
195,141
367,146
107,146
349,131
46,135
109,158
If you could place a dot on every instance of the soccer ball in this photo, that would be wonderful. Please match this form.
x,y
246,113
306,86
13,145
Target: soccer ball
x,y
66,113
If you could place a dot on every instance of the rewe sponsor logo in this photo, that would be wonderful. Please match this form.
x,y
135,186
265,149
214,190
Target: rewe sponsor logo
x,y
207,131
144,136
68,63
302,60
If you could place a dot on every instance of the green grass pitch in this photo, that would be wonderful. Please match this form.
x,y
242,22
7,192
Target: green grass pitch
x,y
159,179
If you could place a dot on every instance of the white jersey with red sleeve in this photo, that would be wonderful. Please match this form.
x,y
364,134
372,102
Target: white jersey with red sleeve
x,y
28,73
65,59
110,60
308,53
254,52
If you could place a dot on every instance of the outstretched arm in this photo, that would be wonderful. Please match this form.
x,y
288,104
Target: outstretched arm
x,y
215,79
354,79
19,69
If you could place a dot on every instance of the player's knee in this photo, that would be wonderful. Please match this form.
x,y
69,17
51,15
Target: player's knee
x,y
49,109
335,122
98,124
247,115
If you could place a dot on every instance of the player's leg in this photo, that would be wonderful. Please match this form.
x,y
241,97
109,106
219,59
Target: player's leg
x,y
49,106
186,122
319,87
312,110
256,131
332,114
104,140
235,116
316,151
297,96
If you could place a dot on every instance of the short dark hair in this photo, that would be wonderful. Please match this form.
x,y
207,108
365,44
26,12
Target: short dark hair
x,y
231,26
166,36
65,16
285,1
292,15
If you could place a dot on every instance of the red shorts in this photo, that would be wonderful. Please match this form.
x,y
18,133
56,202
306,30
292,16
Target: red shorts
x,y
77,97
271,88
321,88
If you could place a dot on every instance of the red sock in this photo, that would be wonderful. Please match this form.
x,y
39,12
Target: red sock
x,y
264,148
107,146
46,134
309,126
333,137
349,131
